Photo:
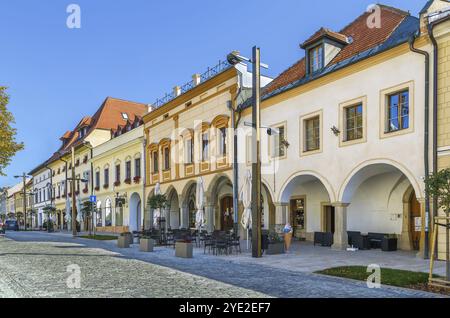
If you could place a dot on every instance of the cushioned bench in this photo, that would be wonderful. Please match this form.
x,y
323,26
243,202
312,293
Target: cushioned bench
x,y
323,238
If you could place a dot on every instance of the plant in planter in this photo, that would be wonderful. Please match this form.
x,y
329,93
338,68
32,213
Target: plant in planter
x,y
85,190
123,240
128,181
105,186
146,244
184,248
49,211
137,179
117,183
276,244
97,188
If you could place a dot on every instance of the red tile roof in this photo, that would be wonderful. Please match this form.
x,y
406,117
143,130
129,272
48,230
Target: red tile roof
x,y
364,38
108,117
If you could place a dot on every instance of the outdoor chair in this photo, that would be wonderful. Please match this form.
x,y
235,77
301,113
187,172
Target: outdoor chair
x,y
235,242
376,239
323,238
208,243
389,244
357,240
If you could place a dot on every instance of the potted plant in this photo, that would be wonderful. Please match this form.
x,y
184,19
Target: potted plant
x,y
128,181
146,244
276,244
124,240
137,179
117,183
50,211
184,248
105,186
97,188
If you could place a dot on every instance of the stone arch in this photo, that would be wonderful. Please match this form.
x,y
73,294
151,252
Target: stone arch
x,y
371,168
282,197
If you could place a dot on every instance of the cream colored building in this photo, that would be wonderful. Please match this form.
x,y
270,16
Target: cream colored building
x,y
349,155
76,151
118,180
189,135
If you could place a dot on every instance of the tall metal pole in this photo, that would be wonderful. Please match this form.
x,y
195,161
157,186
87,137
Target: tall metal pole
x,y
256,158
74,212
24,176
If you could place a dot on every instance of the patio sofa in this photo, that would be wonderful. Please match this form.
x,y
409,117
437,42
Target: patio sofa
x,y
357,240
384,241
323,238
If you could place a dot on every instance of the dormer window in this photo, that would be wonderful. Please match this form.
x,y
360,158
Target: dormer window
x,y
82,132
316,58
125,116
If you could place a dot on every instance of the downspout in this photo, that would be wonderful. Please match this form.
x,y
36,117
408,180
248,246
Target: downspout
x,y
51,186
144,178
426,138
435,108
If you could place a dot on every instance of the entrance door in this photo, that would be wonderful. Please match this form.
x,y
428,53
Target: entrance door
x,y
415,223
298,213
329,219
226,213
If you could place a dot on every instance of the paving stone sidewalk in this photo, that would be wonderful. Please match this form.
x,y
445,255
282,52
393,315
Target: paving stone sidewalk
x,y
130,273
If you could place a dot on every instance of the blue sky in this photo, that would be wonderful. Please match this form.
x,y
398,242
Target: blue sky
x,y
138,50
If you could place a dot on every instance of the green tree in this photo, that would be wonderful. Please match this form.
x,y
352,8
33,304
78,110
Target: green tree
x,y
8,144
50,211
437,186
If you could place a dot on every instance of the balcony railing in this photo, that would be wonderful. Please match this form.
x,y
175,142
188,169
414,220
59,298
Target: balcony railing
x,y
210,72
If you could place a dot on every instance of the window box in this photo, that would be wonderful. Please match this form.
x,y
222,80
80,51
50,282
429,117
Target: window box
x,y
117,183
97,188
137,179
85,190
58,197
77,192
128,181
105,186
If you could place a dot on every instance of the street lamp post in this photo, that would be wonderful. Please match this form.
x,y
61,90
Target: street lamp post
x,y
235,58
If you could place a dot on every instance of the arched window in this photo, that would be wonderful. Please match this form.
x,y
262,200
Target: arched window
x,y
108,214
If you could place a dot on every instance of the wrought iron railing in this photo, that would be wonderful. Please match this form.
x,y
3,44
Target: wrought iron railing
x,y
210,72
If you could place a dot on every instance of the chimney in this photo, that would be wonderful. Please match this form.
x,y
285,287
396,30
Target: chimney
x,y
196,78
177,91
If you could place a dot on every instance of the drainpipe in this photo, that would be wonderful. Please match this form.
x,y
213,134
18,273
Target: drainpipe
x,y
144,177
435,110
426,139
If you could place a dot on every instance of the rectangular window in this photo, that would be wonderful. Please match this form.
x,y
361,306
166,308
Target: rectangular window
x,y
97,179
353,122
118,173
398,111
128,170
155,162
189,144
312,134
222,141
137,167
166,158
106,177
278,146
316,59
205,147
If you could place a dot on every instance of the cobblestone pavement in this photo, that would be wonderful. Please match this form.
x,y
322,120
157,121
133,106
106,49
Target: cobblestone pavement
x,y
34,264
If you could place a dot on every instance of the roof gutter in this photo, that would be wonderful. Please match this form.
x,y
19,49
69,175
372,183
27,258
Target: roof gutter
x,y
426,139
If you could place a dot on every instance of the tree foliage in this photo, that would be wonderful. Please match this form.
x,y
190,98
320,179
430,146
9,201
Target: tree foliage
x,y
8,144
438,186
158,201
